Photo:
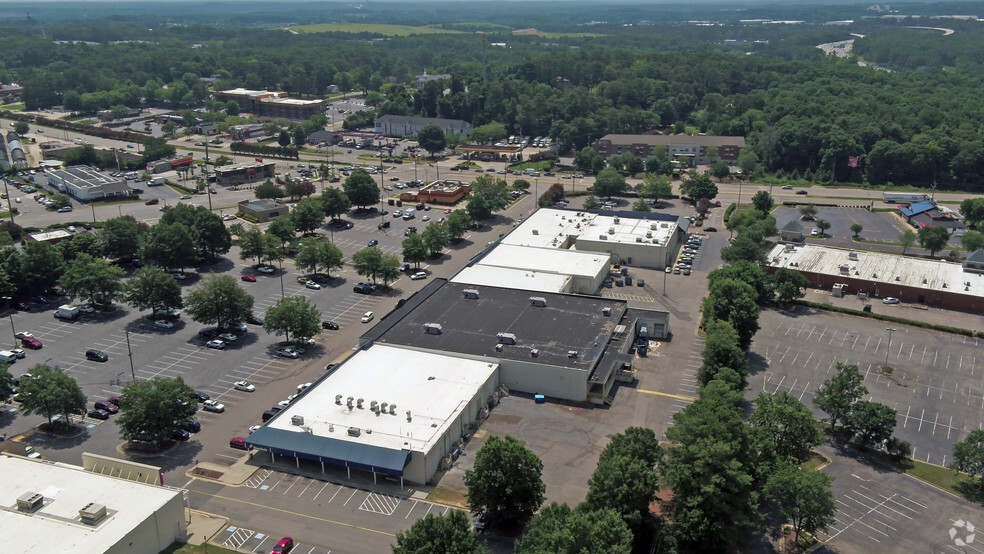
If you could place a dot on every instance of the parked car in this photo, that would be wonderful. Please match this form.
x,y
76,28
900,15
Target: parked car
x,y
180,434
373,242
244,386
312,285
331,325
265,269
367,317
163,324
19,352
891,300
418,275
32,343
284,546
191,426
108,407
287,353
217,344
96,355
213,406
228,337
248,278
98,414
238,442
253,320
199,396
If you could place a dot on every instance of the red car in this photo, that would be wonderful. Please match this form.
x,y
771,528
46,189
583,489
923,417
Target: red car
x,y
240,443
248,278
284,546
31,343
107,406
114,400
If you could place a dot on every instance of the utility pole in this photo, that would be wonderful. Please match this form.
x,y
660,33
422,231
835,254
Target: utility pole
x,y
129,352
889,348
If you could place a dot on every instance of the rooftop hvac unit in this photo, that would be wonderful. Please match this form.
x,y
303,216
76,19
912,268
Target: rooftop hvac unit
x,y
382,407
616,220
374,405
91,513
538,301
655,241
470,293
392,409
498,347
348,402
638,239
572,353
30,501
358,403
611,230
506,338
607,311
852,255
408,415
536,231
433,328
297,420
664,225
844,269
603,237
534,352
354,431
338,399
653,226
649,234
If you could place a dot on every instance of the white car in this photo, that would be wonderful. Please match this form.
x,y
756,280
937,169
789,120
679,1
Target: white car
x,y
244,386
425,218
312,285
418,275
292,397
814,232
254,428
367,317
19,352
228,337
185,197
303,386
213,406
163,324
265,269
891,300
284,403
86,309
287,353
228,217
217,344
179,276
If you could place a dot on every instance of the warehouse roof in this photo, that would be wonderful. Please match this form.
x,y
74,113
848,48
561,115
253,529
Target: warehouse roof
x,y
557,228
876,266
56,526
83,176
512,278
549,260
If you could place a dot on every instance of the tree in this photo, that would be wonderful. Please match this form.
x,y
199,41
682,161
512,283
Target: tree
x,y
968,455
41,265
933,239
493,189
414,249
218,300
299,135
763,201
93,279
449,533
641,205
435,237
783,428
50,393
720,170
973,211
788,285
556,528
609,183
334,203
711,472
743,248
431,138
314,253
872,422
586,159
808,212
168,246
6,382
457,224
592,203
625,480
293,315
823,225
151,409
361,190
120,238
907,239
308,215
368,262
82,243
699,186
389,269
152,289
837,395
746,272
972,241
478,207
60,201
269,190
210,234
283,228
21,127
232,108
736,303
655,186
748,161
804,496
283,139
552,195
521,185
505,480
252,245
487,134
856,228
721,350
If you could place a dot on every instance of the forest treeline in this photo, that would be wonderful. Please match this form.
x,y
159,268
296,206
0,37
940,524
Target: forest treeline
x,y
804,117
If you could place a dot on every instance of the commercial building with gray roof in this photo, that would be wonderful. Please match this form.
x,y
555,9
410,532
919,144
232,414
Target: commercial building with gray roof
x,y
86,183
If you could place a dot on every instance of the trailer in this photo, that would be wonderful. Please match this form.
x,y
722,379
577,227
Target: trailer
x,y
892,197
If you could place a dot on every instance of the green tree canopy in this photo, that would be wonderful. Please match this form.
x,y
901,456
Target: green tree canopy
x,y
457,224
788,285
436,238
152,289
218,300
655,186
361,190
293,315
49,393
449,534
308,215
558,529
722,350
699,186
334,202
626,478
505,480
933,239
872,422
41,265
763,201
968,456
414,249
168,246
368,262
609,183
804,497
736,303
430,138
318,253
837,395
93,279
493,189
120,238
783,428
151,409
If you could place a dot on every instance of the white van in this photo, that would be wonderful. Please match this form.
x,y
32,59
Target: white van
x,y
7,356
408,214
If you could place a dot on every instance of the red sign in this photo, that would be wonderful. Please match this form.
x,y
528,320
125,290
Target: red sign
x,y
258,160
852,161
178,162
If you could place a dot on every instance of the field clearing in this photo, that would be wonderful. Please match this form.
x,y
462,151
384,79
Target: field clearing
x,y
380,29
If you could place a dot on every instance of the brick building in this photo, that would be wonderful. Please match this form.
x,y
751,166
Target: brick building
x,y
678,147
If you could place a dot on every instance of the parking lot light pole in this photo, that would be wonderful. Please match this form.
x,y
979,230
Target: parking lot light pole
x,y
890,331
282,294
129,353
13,331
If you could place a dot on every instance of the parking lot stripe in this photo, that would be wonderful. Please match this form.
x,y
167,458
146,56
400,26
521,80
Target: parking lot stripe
x,y
678,397
333,496
321,491
350,497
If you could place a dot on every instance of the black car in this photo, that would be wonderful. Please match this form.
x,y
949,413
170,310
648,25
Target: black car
x,y
96,355
253,320
191,426
364,288
319,279
180,435
275,409
329,325
383,225
334,179
801,192
98,414
208,333
200,396
710,229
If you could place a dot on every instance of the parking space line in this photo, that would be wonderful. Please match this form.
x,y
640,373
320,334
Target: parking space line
x,y
350,497
336,493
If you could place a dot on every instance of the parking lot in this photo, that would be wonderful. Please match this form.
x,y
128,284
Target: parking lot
x,y
878,226
937,386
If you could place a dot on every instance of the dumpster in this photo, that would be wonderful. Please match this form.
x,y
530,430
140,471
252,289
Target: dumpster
x,y
618,282
539,399
608,284
625,271
628,281
642,350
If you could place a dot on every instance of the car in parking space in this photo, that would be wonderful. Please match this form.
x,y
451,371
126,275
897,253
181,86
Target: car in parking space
x,y
383,225
244,386
64,209
284,546
19,352
86,309
287,353
199,396
312,285
96,355
32,343
710,229
303,387
184,197
254,428
397,213
23,335
676,270
213,406
179,276
169,313
253,320
108,407
482,520
331,325
891,300
367,317
364,288
248,278
238,442
814,232
373,242
180,434
217,344
191,426
425,218
318,278
208,333
265,269
418,275
163,324
228,337
686,271
98,414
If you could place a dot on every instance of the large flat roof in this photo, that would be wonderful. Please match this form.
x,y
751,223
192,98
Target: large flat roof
x,y
83,176
557,228
56,526
547,260
891,269
434,388
512,278
472,325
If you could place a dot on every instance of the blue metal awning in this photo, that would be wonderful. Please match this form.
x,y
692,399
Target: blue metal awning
x,y
344,453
